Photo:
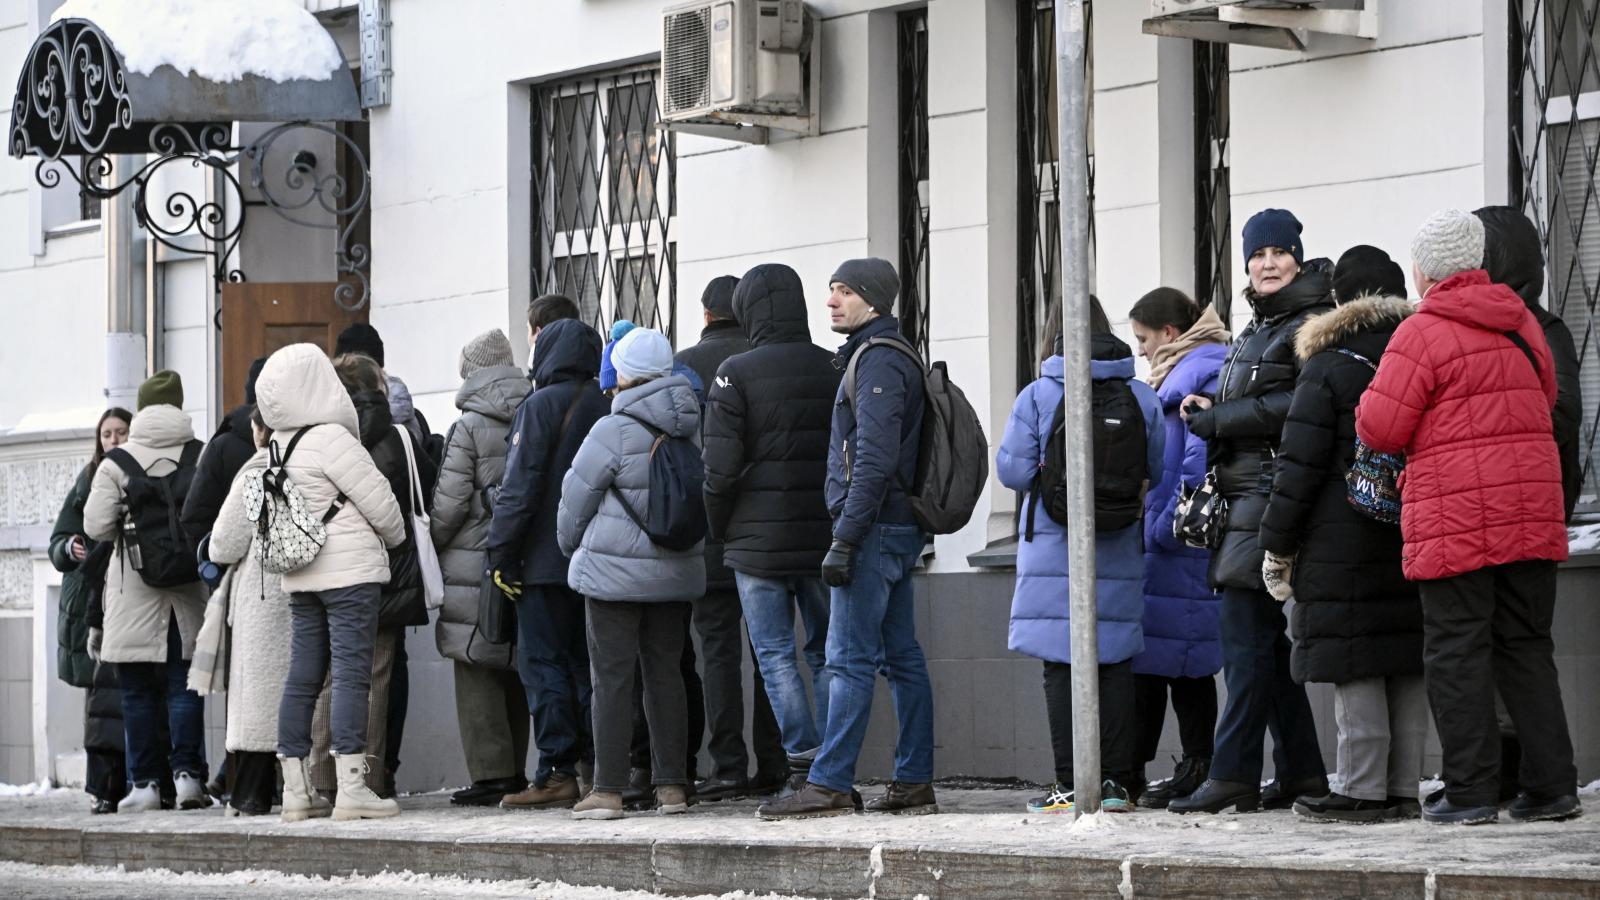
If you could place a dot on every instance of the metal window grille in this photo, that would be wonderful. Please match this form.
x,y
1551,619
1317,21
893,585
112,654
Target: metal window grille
x,y
1554,154
1039,179
603,198
1213,251
915,263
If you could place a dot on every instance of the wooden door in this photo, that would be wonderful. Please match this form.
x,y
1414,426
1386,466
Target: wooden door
x,y
259,318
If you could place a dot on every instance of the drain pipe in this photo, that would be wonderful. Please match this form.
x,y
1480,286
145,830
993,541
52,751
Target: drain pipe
x,y
126,315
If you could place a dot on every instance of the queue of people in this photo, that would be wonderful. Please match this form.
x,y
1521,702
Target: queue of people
x,y
1355,489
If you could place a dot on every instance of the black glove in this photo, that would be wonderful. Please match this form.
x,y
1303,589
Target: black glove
x,y
1203,424
836,565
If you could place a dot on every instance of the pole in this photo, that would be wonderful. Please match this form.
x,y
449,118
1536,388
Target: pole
x,y
1071,47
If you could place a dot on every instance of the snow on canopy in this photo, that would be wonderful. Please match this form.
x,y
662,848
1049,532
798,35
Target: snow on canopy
x,y
218,40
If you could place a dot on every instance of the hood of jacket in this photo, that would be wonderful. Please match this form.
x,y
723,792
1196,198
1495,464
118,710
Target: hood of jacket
x,y
373,417
770,303
401,409
667,403
1362,314
1511,253
161,426
1472,299
567,350
495,392
298,388
1312,287
1109,357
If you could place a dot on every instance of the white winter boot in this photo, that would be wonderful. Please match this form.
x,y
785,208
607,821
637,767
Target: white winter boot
x,y
143,798
356,800
300,802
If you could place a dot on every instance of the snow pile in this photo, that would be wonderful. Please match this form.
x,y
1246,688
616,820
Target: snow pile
x,y
220,40
1583,538
1591,789
1095,821
37,789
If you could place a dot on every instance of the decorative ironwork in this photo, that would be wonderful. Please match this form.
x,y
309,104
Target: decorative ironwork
x,y
1039,177
1213,247
604,198
1555,155
915,262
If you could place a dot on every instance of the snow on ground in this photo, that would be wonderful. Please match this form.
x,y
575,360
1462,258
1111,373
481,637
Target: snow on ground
x,y
1591,789
36,789
221,40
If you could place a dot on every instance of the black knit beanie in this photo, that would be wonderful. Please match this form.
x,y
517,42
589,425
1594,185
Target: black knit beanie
x,y
360,338
1366,270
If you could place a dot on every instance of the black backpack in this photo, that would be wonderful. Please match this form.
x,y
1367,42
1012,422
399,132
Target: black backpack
x,y
1120,444
952,457
153,542
676,517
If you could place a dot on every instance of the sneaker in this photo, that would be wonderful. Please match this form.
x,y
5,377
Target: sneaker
x,y
191,792
143,798
599,805
102,806
1336,807
1190,773
812,801
1058,799
672,799
1444,812
560,791
904,799
1530,809
1115,798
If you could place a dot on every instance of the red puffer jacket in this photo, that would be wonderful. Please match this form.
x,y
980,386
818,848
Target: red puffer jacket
x,y
1482,483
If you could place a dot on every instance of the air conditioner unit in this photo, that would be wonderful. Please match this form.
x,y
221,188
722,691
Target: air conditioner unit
x,y
1279,24
739,62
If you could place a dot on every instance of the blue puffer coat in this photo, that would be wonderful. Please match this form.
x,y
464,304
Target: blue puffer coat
x,y
1040,624
1180,609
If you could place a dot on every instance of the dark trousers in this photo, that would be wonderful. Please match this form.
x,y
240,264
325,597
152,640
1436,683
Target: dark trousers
x,y
1262,695
399,703
719,620
1116,720
647,636
639,755
105,774
1194,700
553,661
1487,630
252,780
149,691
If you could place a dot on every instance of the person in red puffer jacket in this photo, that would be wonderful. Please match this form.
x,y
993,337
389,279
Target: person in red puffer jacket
x,y
1465,390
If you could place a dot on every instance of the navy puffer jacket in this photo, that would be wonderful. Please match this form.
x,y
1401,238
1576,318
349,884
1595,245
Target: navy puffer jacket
x,y
872,450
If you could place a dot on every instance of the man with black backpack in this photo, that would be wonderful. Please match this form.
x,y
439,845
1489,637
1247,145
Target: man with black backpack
x,y
154,601
872,466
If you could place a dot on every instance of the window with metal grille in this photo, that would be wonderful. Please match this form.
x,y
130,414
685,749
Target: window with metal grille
x,y
1555,149
1039,178
915,263
603,198
1213,249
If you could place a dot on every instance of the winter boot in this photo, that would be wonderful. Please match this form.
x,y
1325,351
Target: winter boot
x,y
1446,812
488,793
191,792
1282,794
599,805
1191,772
585,777
905,799
1528,808
560,791
711,790
1336,807
356,800
143,798
672,799
300,802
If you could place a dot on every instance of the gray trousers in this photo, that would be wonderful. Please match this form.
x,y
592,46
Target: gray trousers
x,y
492,712
621,633
330,630
1382,725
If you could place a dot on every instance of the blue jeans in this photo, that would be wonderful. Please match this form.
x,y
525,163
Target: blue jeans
x,y
769,606
553,661
150,690
873,623
1262,695
329,630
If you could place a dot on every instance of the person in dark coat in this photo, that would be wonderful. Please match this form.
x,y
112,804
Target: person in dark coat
x,y
766,450
1356,621
526,560
1242,426
718,616
225,454
76,558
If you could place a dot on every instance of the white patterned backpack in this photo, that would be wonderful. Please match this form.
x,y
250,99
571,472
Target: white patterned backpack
x,y
288,536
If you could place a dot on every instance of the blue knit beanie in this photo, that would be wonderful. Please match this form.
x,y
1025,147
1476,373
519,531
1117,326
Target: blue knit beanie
x,y
608,372
1274,228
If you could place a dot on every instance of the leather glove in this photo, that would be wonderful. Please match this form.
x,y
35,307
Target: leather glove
x,y
1278,572
836,565
1203,424
95,637
512,589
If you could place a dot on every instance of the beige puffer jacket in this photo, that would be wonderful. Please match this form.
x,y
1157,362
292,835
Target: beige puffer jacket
x,y
298,390
136,614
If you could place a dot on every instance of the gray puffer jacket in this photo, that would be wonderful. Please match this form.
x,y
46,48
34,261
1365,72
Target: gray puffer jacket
x,y
612,559
474,458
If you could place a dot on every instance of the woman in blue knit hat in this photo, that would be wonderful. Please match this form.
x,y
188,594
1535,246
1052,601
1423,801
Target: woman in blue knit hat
x,y
1242,425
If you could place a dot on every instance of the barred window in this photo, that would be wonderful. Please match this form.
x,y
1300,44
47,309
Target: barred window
x,y
603,205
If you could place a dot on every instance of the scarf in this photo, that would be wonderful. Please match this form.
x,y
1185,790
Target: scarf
x,y
1208,329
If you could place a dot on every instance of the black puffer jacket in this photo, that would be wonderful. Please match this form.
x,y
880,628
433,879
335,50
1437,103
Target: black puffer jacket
x,y
766,434
1513,258
403,601
73,664
1243,428
1355,615
225,454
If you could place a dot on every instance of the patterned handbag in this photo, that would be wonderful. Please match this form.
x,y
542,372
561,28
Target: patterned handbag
x,y
1201,516
1373,483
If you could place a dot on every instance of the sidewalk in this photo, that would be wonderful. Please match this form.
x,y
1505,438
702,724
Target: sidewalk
x,y
983,846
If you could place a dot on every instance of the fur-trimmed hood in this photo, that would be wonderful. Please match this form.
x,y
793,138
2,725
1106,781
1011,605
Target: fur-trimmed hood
x,y
1328,330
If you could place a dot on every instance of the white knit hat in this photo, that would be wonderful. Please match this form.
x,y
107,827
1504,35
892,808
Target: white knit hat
x,y
642,354
1450,241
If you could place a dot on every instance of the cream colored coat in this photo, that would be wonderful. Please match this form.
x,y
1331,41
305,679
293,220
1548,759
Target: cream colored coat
x,y
298,390
136,614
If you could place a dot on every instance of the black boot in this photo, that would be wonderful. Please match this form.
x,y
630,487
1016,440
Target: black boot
x,y
1510,768
1445,812
1215,796
812,801
1339,808
1282,794
1405,807
488,793
714,789
1186,779
1527,808
904,799
641,794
